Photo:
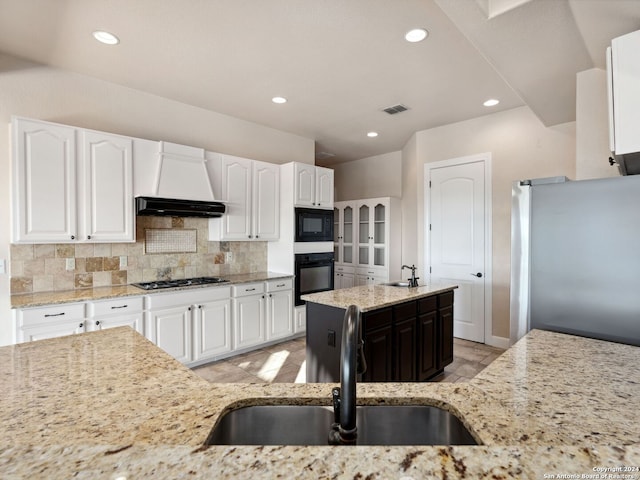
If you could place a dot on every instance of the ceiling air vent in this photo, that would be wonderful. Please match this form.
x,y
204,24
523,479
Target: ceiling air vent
x,y
324,155
392,110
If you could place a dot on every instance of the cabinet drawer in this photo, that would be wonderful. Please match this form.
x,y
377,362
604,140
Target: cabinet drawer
x,y
404,311
117,306
377,319
344,269
35,316
445,299
428,304
280,284
191,296
247,289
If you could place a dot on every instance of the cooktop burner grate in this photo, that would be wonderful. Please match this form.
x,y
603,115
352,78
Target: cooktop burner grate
x,y
185,282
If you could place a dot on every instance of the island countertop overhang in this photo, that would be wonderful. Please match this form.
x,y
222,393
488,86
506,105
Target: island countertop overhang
x,y
372,297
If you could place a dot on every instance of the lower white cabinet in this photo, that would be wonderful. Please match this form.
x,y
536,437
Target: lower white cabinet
x,y
371,276
279,309
344,277
39,323
300,314
121,312
248,314
190,325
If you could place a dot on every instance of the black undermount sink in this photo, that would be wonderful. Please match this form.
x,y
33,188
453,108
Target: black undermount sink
x,y
310,425
397,284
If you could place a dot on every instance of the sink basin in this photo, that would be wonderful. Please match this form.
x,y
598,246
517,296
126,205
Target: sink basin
x,y
309,425
397,284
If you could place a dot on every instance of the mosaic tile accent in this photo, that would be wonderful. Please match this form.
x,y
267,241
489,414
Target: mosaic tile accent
x,y
167,240
45,267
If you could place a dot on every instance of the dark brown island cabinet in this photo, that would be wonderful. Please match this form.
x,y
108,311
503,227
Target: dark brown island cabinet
x,y
406,342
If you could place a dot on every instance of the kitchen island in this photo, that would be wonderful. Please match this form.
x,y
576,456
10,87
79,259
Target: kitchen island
x,y
110,404
407,332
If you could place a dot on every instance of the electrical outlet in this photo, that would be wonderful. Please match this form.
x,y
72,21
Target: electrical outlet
x,y
123,261
228,257
71,264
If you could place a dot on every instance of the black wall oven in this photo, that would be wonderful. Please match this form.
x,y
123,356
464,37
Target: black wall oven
x,y
314,225
314,273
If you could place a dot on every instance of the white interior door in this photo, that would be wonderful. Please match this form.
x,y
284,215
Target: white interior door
x,y
456,239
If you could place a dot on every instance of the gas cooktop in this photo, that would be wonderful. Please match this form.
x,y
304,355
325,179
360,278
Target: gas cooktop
x,y
185,282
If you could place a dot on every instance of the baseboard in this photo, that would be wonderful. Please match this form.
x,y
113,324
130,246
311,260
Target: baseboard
x,y
498,342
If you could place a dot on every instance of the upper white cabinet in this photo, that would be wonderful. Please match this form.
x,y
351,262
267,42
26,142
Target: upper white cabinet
x,y
251,191
70,184
344,215
623,66
313,186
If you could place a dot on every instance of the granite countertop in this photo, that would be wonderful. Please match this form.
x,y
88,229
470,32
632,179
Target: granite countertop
x,y
371,297
25,300
110,404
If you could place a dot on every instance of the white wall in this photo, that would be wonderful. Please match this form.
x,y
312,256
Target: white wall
x,y
371,177
35,91
592,126
521,147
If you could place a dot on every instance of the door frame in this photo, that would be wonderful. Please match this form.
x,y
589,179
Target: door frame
x,y
489,339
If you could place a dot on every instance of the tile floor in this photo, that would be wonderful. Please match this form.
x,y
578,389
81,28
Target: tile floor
x,y
284,363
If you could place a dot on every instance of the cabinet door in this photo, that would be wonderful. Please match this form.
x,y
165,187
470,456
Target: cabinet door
x,y
108,187
625,71
305,185
378,354
133,320
405,351
427,345
248,324
279,314
170,329
50,330
44,181
301,319
324,187
266,201
236,193
445,336
212,334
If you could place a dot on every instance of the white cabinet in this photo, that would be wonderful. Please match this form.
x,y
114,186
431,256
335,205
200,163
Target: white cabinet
x,y
107,167
279,308
190,325
313,186
251,191
70,184
300,314
368,276
343,232
120,312
344,277
248,314
623,65
39,323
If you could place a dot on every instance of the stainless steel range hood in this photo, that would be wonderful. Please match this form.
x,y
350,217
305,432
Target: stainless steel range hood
x,y
170,207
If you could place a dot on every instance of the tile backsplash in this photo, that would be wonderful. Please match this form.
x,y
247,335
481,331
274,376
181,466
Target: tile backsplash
x,y
54,267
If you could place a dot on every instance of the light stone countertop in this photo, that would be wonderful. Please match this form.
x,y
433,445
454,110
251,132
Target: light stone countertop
x,y
110,404
25,300
371,297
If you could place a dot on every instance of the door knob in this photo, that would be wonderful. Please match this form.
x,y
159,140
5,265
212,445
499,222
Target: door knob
x,y
479,275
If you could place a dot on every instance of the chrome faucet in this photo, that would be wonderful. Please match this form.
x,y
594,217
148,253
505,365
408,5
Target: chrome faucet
x,y
344,430
413,281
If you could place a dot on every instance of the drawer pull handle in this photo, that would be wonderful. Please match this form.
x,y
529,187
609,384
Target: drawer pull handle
x,y
249,289
120,306
281,285
53,314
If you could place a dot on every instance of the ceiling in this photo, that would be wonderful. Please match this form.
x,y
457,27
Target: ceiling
x,y
339,63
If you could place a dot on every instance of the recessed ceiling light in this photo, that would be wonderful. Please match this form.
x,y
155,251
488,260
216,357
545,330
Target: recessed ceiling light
x,y
416,35
372,134
491,102
279,100
106,37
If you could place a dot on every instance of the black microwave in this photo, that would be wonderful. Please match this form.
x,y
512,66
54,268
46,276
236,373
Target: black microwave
x,y
314,225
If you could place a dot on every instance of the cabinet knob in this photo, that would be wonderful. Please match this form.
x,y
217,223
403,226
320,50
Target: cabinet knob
x,y
257,236
81,325
88,237
189,309
250,236
97,322
200,306
73,237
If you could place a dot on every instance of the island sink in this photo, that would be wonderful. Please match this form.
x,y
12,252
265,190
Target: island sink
x,y
310,425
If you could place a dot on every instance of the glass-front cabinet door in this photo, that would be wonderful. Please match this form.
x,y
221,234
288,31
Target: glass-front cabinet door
x,y
347,235
364,235
379,235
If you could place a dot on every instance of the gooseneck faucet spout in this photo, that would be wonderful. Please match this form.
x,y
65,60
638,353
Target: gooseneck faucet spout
x,y
413,281
344,431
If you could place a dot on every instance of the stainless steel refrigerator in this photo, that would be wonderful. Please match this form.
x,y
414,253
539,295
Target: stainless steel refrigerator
x,y
575,257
